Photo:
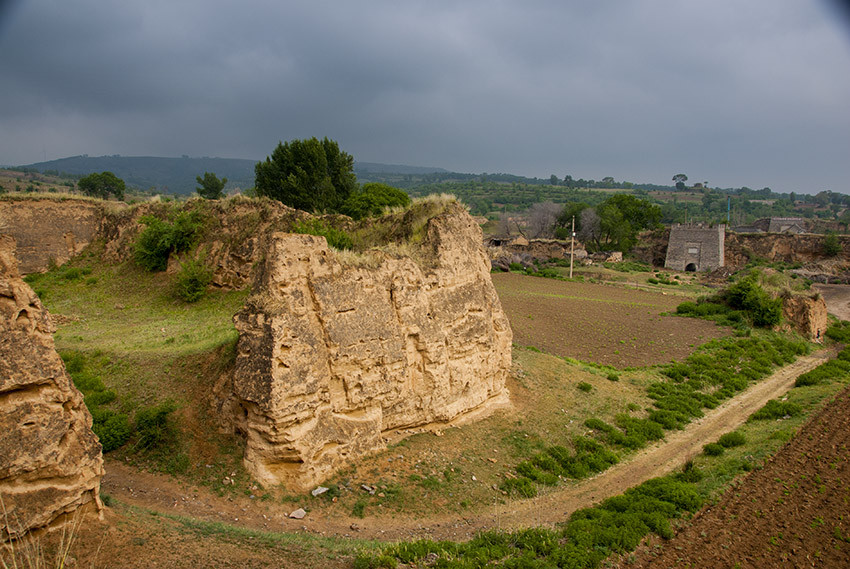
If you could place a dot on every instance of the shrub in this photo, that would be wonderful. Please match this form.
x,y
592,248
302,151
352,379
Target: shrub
x,y
113,429
749,296
774,409
154,426
712,449
528,470
733,439
160,238
522,486
336,238
831,244
839,331
153,245
584,386
613,377
192,280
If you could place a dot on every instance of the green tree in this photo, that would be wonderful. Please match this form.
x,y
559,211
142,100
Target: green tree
x,y
311,175
621,217
680,180
831,244
565,219
102,185
211,187
372,199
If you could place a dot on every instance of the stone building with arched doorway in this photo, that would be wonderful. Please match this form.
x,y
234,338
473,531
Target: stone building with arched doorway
x,y
696,247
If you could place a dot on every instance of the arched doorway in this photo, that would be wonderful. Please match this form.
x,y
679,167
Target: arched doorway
x,y
691,268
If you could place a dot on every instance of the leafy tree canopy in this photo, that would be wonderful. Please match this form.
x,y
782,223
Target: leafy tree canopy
x,y
311,175
614,223
372,199
102,185
211,187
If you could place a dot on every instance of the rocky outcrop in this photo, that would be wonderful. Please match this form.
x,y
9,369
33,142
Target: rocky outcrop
x,y
741,247
50,460
806,315
48,230
335,353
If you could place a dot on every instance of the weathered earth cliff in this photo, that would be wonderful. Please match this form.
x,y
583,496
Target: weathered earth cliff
x,y
336,353
806,315
740,247
50,460
49,229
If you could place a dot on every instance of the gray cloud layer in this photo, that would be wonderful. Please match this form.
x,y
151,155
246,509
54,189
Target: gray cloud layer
x,y
752,93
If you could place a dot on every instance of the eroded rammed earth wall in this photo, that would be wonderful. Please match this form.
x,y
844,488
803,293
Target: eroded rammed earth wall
x,y
50,460
49,229
333,356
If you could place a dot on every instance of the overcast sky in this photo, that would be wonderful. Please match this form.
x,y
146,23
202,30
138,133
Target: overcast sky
x,y
734,92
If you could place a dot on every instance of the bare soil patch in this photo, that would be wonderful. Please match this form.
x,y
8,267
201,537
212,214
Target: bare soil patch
x,y
837,298
607,324
795,512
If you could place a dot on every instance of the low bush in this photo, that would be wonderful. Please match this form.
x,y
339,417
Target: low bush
x,y
154,426
713,449
112,429
521,486
584,386
336,238
731,440
833,369
774,409
839,331
192,280
160,238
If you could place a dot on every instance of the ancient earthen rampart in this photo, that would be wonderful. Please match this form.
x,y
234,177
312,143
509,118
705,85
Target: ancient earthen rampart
x,y
50,460
48,230
334,355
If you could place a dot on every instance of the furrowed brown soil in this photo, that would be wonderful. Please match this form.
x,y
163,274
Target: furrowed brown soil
x,y
795,512
607,324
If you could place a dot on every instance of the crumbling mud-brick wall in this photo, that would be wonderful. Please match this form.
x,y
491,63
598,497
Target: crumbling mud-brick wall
x,y
49,229
50,460
333,356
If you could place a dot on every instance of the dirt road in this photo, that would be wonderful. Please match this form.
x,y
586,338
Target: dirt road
x,y
162,493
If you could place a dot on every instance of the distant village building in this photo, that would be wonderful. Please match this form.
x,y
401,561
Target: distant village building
x,y
787,225
794,225
696,247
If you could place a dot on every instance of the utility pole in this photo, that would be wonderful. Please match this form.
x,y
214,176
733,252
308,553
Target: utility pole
x,y
572,244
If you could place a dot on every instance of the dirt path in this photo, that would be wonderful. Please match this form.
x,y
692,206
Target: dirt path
x,y
162,493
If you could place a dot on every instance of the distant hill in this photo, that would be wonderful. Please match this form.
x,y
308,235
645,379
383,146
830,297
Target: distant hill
x,y
377,168
177,175
168,175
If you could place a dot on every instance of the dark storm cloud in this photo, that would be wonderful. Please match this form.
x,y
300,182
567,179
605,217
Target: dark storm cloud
x,y
732,93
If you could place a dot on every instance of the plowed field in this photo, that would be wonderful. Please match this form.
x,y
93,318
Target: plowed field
x,y
607,324
795,512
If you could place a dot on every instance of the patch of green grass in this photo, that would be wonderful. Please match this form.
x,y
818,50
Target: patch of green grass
x,y
591,534
774,409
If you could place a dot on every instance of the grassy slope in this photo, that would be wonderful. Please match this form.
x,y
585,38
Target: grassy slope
x,y
149,347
